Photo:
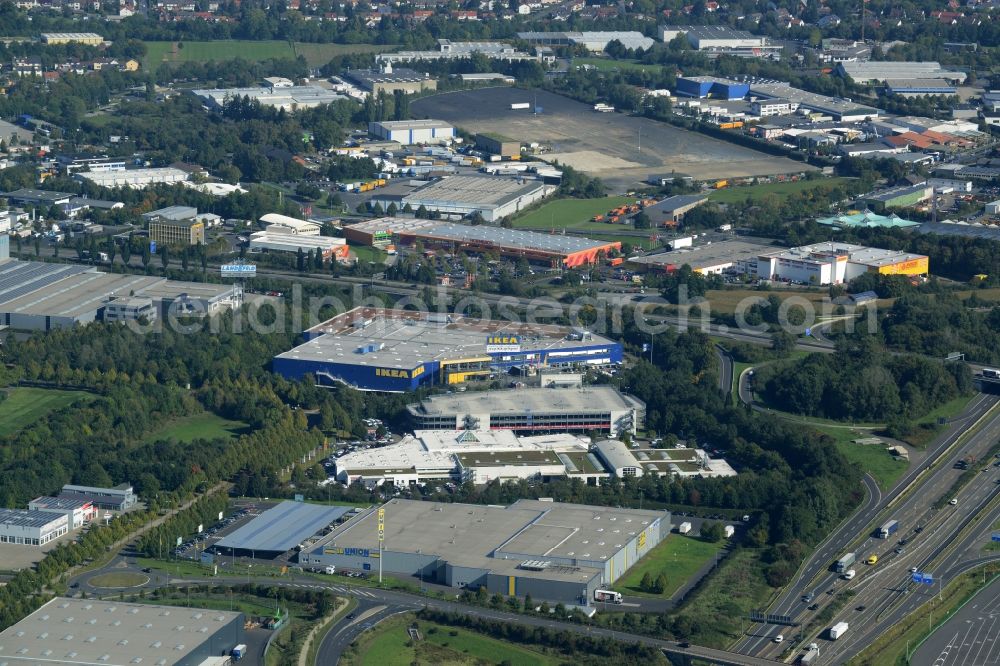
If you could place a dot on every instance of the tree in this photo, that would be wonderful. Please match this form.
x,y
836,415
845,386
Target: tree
x,y
642,221
660,585
646,584
712,532
165,257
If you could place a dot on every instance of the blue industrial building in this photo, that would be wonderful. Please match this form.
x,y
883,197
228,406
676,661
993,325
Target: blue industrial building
x,y
710,86
379,349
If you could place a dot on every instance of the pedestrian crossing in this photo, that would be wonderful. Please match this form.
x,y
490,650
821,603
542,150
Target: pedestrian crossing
x,y
335,588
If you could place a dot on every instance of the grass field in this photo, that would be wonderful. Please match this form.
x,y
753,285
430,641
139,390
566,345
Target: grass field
x,y
315,54
366,254
388,644
679,557
725,301
572,214
781,190
607,65
872,458
26,405
200,426
117,580
730,593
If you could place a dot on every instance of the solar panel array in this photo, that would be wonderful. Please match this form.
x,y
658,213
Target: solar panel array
x,y
20,278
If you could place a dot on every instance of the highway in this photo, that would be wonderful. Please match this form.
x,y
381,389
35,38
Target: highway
x,y
877,587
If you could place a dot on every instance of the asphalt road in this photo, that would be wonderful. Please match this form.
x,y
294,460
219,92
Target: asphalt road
x,y
970,638
725,370
815,575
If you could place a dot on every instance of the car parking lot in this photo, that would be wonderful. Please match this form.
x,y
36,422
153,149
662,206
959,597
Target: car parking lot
x,y
198,543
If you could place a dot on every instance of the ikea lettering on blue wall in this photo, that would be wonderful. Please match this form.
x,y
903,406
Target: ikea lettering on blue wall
x,y
399,374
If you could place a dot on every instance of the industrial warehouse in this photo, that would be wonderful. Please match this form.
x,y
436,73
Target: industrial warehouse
x,y
475,456
835,263
819,264
115,633
550,249
288,97
380,349
493,198
597,408
40,296
410,132
329,247
552,551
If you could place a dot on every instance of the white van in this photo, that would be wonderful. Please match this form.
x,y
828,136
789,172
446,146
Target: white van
x,y
331,569
850,574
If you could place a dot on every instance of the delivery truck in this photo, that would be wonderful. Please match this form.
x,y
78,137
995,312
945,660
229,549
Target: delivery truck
x,y
888,529
842,565
684,527
608,596
838,630
239,652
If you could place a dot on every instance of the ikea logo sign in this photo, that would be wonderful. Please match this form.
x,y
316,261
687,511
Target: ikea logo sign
x,y
502,343
396,373
503,340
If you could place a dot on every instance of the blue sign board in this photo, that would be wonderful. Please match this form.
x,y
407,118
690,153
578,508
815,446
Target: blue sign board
x,y
996,536
238,270
922,578
152,247
809,332
366,566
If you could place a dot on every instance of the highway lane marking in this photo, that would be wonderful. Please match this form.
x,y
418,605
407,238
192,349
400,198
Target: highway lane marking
x,y
942,658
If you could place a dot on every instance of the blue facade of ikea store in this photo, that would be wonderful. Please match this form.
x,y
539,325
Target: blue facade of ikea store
x,y
395,380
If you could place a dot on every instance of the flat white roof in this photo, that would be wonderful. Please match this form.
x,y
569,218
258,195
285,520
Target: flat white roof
x,y
91,632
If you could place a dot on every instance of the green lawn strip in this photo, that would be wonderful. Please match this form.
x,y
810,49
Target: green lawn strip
x,y
191,568
483,648
573,213
781,190
389,644
249,605
872,458
255,51
605,64
678,556
25,405
198,426
366,254
118,579
890,648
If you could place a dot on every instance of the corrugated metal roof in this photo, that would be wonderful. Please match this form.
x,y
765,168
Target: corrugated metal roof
x,y
282,527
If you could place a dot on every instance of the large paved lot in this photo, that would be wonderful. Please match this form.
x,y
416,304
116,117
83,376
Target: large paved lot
x,y
970,638
620,149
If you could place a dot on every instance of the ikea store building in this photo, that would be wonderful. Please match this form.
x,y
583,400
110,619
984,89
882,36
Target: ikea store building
x,y
381,349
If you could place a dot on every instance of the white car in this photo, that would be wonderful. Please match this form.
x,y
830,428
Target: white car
x,y
779,638
913,570
953,502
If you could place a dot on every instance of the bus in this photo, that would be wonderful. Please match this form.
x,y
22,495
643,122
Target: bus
x,y
607,596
